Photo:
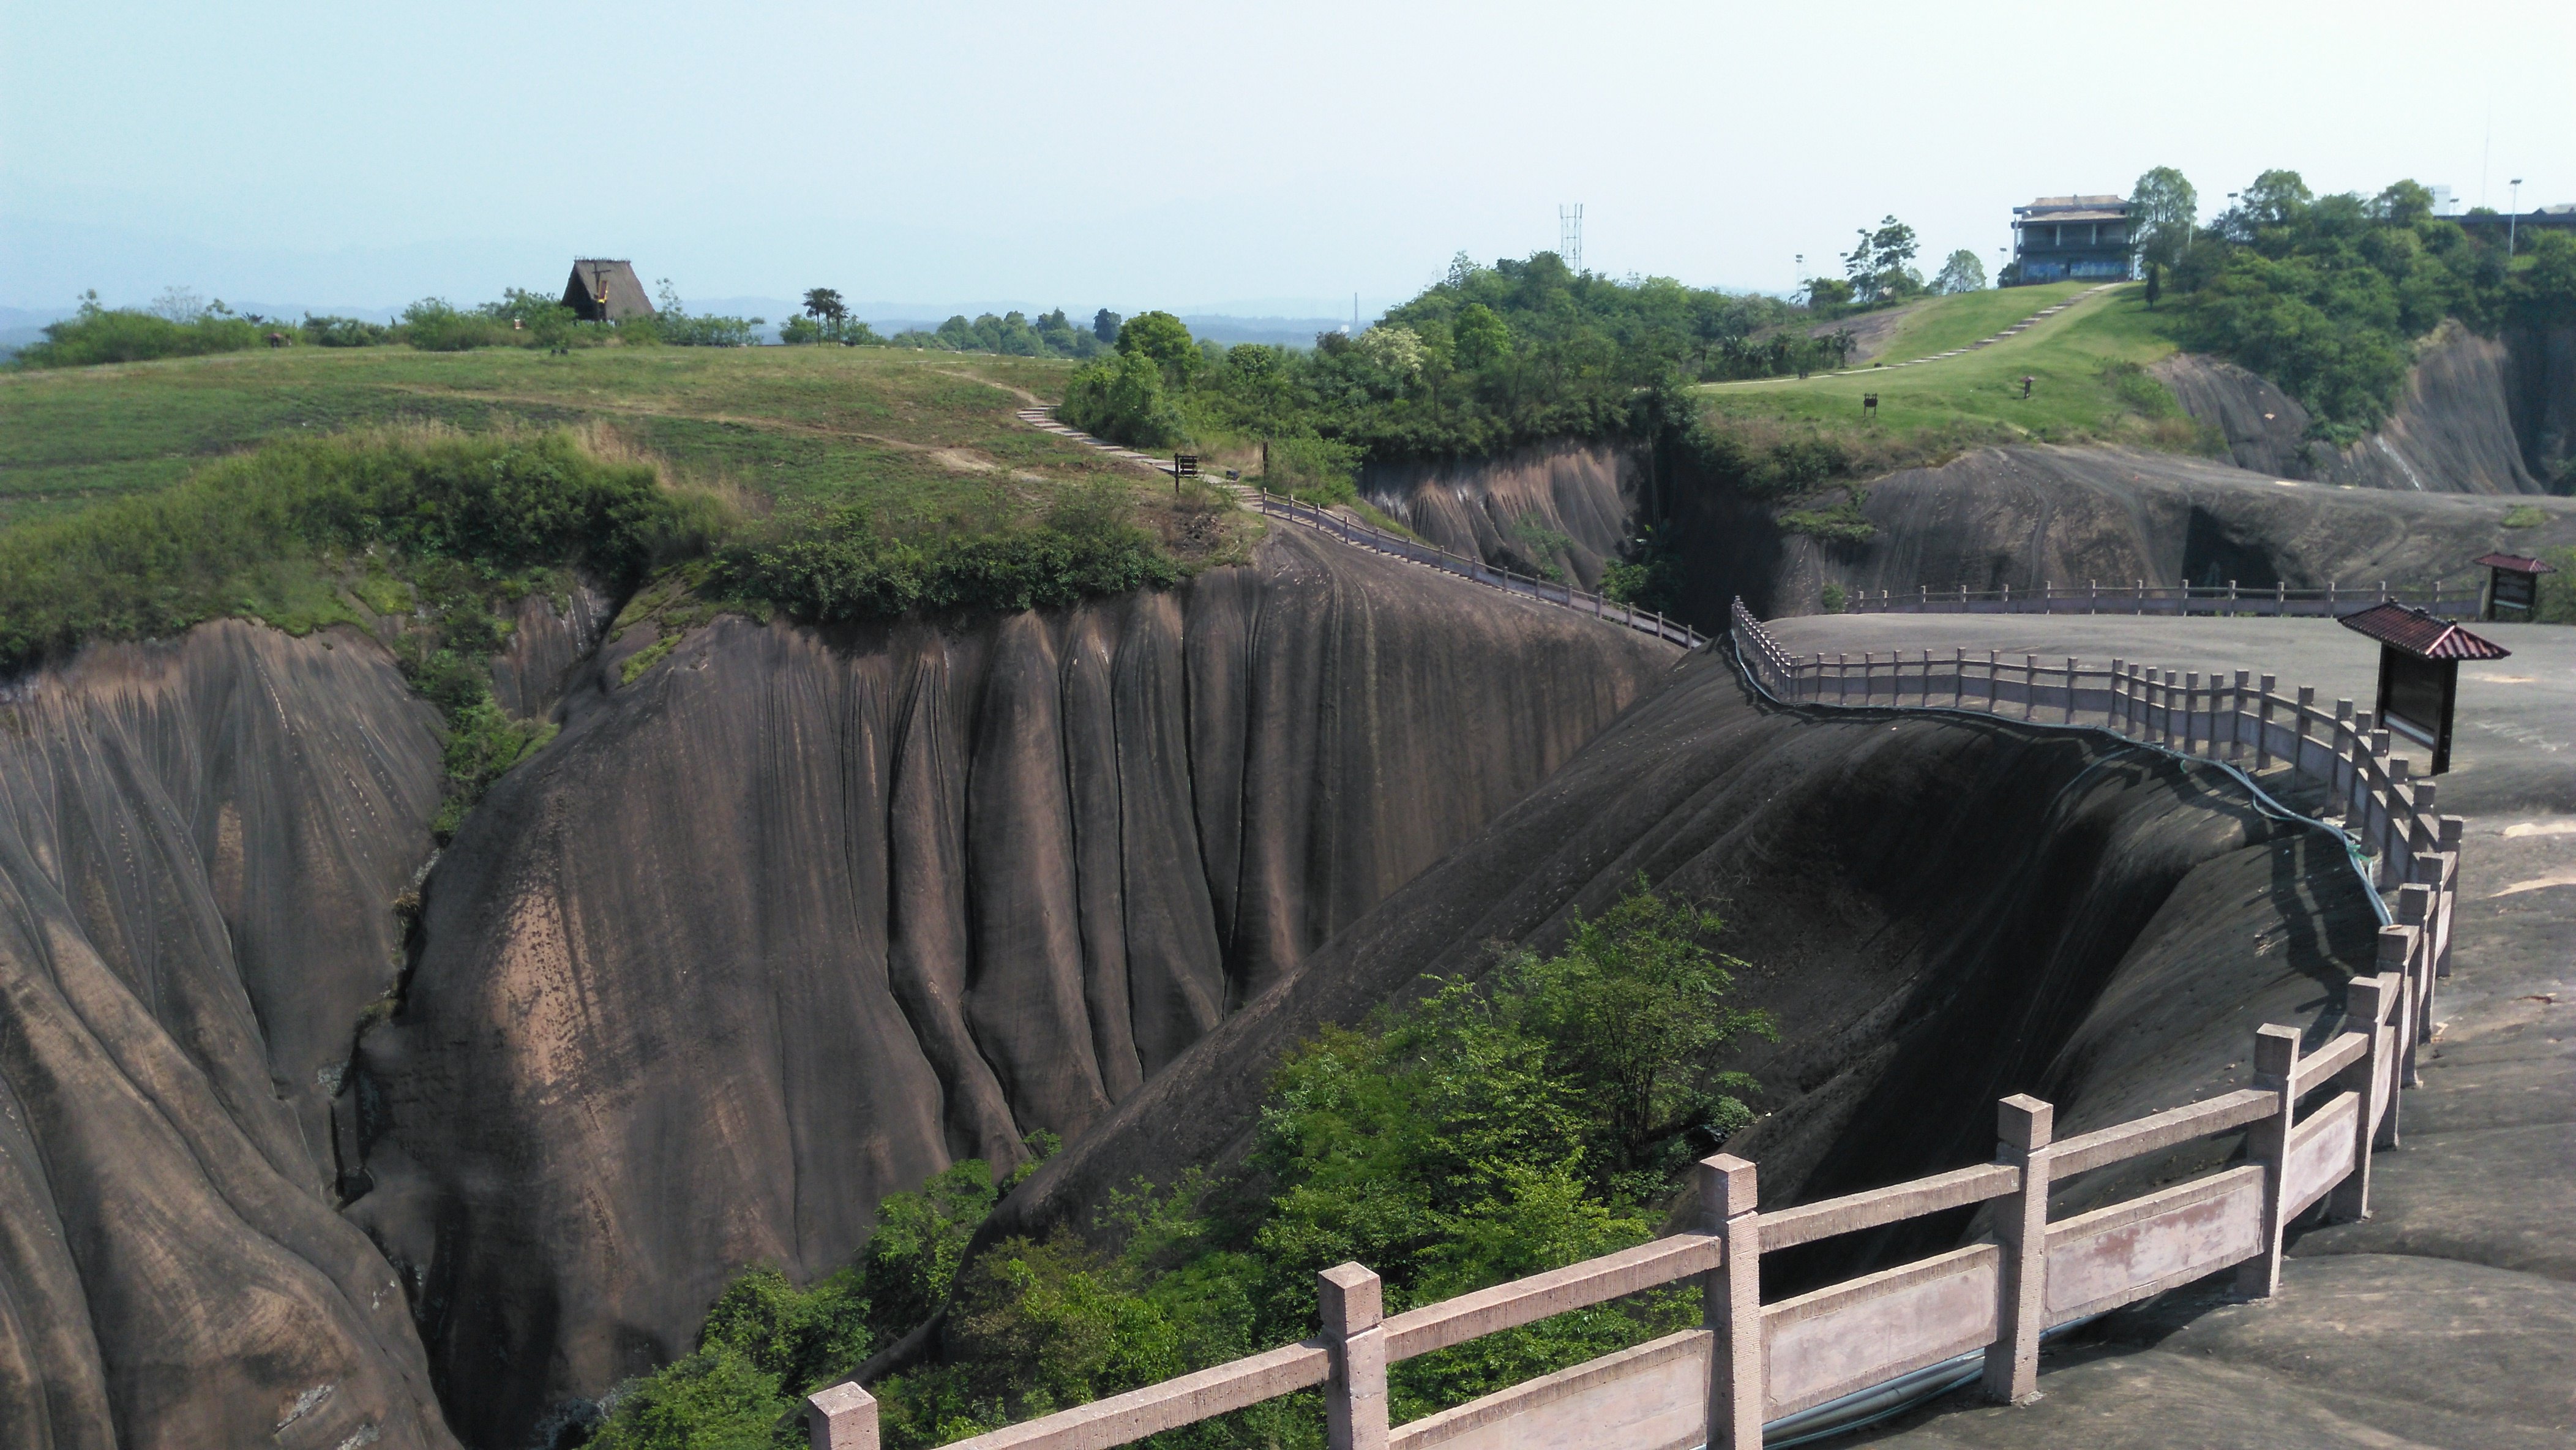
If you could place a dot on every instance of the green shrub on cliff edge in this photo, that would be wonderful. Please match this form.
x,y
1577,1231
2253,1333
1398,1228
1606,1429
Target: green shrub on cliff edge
x,y
1489,1131
247,535
849,564
419,534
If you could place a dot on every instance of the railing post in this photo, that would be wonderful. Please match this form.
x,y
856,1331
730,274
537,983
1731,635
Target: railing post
x,y
2446,838
1994,671
842,1417
1355,1397
2236,715
2339,769
2366,1001
2023,1128
1731,1304
2070,689
2267,1141
2263,727
1958,676
2415,909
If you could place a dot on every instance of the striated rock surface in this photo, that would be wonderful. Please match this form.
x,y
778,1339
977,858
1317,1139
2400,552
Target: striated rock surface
x,y
200,842
1568,506
2023,516
797,919
2453,430
1939,911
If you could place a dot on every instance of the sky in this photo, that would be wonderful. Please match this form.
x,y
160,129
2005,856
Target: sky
x,y
1244,158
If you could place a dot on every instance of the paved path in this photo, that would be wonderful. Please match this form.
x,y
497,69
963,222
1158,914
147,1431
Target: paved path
x,y
2448,1318
2018,328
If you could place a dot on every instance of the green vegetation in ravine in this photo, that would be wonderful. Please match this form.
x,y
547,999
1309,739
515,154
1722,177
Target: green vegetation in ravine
x,y
1486,1132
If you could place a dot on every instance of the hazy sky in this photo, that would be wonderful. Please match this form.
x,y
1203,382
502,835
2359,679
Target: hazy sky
x,y
1260,158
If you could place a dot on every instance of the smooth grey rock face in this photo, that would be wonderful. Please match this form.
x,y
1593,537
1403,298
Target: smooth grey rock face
x,y
799,918
200,842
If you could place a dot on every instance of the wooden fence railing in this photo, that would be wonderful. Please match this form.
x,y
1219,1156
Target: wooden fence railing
x,y
2140,597
1546,591
2311,1121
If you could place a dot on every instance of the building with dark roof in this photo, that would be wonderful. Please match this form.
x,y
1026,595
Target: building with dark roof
x,y
2071,238
606,289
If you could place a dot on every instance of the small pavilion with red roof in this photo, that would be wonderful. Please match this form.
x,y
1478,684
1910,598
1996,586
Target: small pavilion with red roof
x,y
2419,671
2513,582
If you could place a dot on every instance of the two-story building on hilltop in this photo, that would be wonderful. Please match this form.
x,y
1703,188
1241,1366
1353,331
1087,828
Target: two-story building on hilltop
x,y
2070,239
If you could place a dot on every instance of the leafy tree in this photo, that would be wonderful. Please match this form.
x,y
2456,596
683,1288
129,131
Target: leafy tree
x,y
824,305
1480,336
1880,265
1828,292
2403,203
2163,210
1963,272
1165,339
1105,325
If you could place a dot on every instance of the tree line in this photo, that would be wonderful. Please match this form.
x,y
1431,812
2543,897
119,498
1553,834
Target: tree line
x,y
2327,295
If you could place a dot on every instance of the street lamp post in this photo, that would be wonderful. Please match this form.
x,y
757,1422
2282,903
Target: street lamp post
x,y
2512,217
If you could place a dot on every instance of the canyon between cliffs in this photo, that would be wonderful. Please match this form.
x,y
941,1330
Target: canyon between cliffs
x,y
314,1135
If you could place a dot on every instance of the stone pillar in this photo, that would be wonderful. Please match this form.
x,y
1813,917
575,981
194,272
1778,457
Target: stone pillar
x,y
1731,1304
2396,954
2267,1142
1355,1397
2263,725
2366,1001
843,1417
2023,1128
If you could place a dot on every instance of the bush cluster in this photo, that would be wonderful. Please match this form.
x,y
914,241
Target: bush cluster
x,y
1487,359
849,564
1489,1131
213,546
119,335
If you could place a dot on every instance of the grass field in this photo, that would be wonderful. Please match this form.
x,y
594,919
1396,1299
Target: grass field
x,y
2081,392
922,431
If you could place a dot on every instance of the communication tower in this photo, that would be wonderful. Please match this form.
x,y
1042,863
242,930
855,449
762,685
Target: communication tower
x,y
1569,236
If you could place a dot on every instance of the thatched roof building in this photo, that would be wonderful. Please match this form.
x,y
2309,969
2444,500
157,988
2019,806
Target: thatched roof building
x,y
604,289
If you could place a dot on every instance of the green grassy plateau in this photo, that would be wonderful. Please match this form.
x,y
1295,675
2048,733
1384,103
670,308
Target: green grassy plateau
x,y
2084,362
922,432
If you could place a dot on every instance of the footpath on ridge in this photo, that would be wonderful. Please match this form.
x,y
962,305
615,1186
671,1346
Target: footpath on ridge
x,y
1555,593
2018,328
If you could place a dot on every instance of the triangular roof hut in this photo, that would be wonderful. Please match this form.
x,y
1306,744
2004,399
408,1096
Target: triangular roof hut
x,y
606,289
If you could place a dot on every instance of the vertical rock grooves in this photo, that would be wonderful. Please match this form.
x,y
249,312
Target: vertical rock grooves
x,y
800,917
1939,912
199,841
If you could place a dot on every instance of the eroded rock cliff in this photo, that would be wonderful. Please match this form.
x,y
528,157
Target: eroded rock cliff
x,y
796,919
2453,430
200,845
1939,911
1569,506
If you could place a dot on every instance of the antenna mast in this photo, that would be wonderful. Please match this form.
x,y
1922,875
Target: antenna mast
x,y
1569,236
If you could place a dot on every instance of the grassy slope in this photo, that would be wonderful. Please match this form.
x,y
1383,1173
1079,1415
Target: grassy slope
x,y
1976,398
929,432
1950,322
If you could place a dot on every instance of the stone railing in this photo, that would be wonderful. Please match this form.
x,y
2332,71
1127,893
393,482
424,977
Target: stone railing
x,y
1848,1351
1545,591
2140,597
2241,720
